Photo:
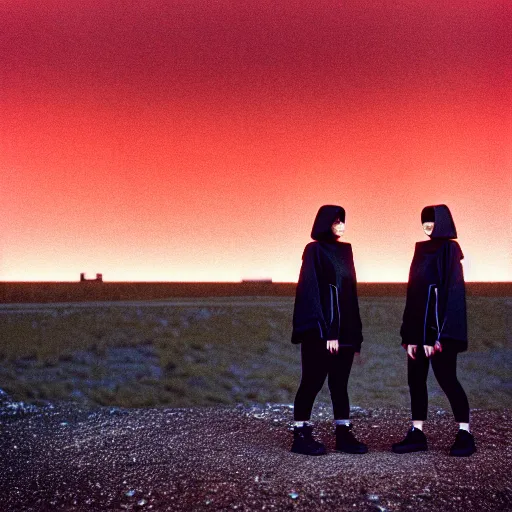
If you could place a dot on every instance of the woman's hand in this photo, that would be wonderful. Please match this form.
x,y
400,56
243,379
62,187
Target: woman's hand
x,y
429,350
332,346
411,351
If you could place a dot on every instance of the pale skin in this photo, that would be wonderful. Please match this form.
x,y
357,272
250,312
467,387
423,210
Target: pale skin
x,y
428,227
338,228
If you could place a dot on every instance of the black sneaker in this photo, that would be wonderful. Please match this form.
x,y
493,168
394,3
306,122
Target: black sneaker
x,y
414,441
304,443
464,444
346,442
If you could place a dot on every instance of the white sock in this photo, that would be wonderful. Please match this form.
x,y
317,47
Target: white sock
x,y
342,422
464,426
417,424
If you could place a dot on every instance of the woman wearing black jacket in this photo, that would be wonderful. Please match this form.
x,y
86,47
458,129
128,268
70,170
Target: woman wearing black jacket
x,y
434,328
327,324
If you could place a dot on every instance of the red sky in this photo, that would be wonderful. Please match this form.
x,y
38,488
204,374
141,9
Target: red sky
x,y
195,140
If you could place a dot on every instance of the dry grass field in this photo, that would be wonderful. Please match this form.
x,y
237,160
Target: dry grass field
x,y
223,350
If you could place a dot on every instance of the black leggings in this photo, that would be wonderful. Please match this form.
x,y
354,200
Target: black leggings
x,y
444,365
317,364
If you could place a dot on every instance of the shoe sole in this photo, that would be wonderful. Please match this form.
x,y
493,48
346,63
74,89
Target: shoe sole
x,y
463,454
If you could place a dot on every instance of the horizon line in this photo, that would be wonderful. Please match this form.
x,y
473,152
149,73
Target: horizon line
x,y
245,281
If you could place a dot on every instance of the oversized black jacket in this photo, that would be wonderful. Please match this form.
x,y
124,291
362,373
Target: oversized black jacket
x,y
326,305
436,300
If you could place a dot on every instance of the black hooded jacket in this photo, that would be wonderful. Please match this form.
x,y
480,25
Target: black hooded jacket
x,y
326,306
436,298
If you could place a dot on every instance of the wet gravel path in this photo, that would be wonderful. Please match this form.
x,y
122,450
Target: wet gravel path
x,y
64,457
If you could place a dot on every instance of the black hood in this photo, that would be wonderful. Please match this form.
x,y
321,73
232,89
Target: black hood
x,y
324,219
440,214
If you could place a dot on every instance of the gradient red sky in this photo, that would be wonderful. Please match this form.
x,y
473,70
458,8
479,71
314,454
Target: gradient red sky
x,y
195,140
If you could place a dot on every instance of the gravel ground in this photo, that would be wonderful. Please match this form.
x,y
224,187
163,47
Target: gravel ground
x,y
67,457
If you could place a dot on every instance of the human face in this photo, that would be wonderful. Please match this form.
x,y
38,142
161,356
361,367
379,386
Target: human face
x,y
338,228
428,227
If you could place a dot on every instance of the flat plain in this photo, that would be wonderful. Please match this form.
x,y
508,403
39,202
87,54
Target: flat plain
x,y
190,351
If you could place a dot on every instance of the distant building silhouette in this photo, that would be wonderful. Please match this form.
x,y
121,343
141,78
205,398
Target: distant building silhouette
x,y
99,278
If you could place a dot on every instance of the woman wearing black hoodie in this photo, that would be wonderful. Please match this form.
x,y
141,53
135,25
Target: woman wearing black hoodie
x,y
434,328
327,324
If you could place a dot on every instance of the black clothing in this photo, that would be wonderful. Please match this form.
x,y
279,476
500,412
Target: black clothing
x,y
324,219
444,226
436,310
346,441
317,364
436,298
326,308
326,305
304,443
414,441
444,365
464,444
